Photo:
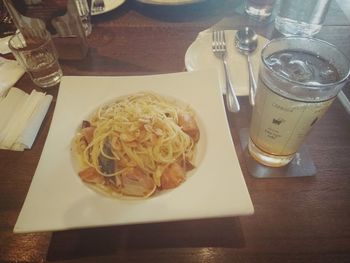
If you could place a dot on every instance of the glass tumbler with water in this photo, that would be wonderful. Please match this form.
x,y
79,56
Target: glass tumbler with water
x,y
298,80
300,17
39,57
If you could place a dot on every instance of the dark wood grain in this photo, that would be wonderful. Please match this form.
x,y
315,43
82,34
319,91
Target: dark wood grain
x,y
295,219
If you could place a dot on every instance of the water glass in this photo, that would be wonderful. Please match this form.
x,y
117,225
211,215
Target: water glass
x,y
39,57
259,9
299,78
300,17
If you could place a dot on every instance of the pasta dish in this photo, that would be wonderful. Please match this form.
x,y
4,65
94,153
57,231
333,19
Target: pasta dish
x,y
137,146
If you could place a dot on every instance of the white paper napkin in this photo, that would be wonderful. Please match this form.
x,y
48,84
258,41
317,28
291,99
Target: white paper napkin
x,y
10,73
21,118
200,56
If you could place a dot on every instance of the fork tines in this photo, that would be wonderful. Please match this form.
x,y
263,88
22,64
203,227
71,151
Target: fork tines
x,y
219,42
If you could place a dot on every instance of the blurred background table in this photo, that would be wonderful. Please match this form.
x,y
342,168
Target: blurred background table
x,y
295,220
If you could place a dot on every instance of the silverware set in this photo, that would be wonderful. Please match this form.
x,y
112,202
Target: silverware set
x,y
32,29
98,6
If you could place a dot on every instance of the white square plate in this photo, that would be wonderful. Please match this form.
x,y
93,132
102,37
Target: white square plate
x,y
59,200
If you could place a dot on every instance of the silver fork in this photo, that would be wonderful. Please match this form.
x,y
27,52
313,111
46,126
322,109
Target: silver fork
x,y
98,6
219,49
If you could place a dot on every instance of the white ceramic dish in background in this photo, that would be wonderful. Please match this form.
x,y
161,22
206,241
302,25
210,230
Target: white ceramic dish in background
x,y
170,2
199,56
109,6
59,200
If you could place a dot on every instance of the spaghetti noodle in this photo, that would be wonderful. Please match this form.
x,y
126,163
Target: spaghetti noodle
x,y
136,146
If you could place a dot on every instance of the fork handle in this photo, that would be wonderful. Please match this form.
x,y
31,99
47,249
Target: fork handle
x,y
231,98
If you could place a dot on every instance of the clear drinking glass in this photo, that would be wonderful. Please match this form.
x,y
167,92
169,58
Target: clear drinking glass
x,y
298,80
39,57
259,9
300,17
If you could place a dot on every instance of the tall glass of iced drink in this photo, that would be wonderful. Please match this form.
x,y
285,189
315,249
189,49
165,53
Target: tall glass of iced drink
x,y
299,79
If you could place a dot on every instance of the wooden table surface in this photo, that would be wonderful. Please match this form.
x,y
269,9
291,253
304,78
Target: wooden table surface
x,y
295,220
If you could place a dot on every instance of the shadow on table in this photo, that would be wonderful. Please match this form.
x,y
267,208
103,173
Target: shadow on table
x,y
94,242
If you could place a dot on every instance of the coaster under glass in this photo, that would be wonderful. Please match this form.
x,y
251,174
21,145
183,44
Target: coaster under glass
x,y
301,165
